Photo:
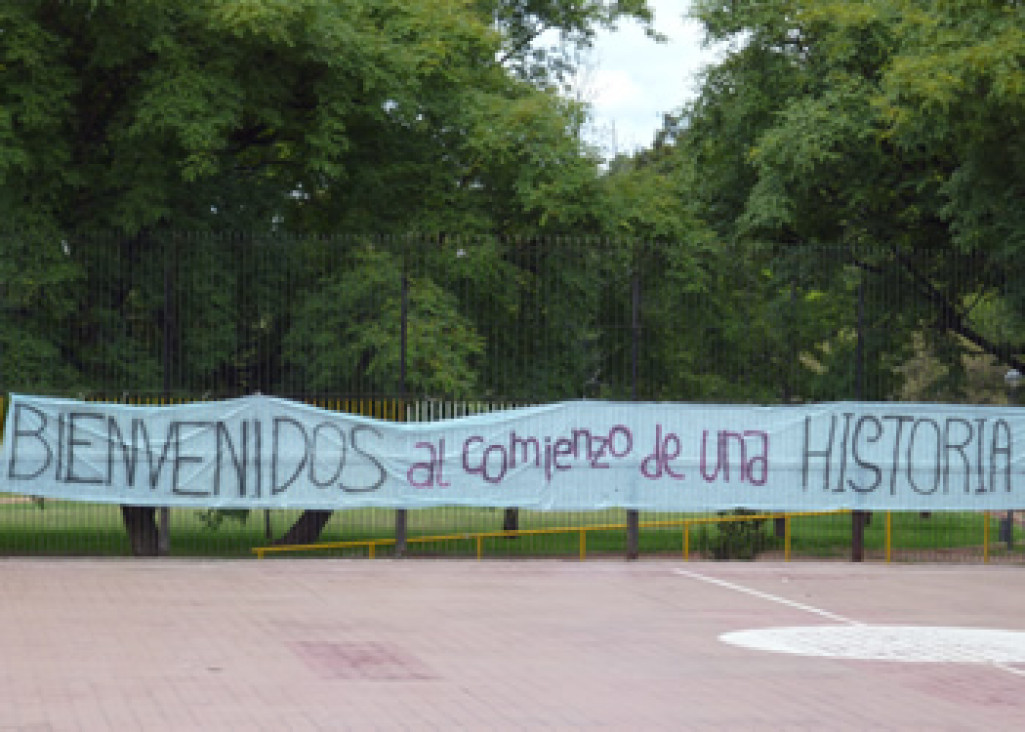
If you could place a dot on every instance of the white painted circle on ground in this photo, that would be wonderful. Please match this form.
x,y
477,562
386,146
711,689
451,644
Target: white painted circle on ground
x,y
915,644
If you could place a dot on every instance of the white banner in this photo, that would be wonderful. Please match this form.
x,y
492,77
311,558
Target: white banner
x,y
263,452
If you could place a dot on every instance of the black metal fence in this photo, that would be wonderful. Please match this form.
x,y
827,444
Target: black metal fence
x,y
398,326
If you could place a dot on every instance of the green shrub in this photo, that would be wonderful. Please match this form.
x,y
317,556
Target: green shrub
x,y
739,539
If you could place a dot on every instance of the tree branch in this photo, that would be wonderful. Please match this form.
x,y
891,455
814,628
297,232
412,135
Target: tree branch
x,y
953,320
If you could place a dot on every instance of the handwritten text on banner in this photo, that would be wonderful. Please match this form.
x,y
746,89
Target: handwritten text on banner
x,y
264,452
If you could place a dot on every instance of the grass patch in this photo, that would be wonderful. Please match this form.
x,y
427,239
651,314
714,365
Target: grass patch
x,y
823,535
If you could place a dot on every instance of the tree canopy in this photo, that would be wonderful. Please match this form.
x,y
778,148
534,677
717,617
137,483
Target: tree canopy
x,y
844,193
165,121
889,131
320,113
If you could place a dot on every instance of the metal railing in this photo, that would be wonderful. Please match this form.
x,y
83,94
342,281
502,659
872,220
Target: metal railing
x,y
478,537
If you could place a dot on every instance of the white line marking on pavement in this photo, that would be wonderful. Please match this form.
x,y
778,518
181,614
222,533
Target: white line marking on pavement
x,y
1009,669
997,649
766,596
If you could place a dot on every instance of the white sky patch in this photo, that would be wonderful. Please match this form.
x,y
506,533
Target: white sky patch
x,y
631,81
616,91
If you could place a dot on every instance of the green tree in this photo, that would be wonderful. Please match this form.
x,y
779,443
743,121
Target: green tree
x,y
352,320
885,134
169,127
315,117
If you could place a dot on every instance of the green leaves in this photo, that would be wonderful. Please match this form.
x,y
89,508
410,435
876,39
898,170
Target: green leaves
x,y
957,90
522,23
344,333
890,129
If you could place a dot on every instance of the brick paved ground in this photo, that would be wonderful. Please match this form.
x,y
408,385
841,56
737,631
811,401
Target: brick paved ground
x,y
315,644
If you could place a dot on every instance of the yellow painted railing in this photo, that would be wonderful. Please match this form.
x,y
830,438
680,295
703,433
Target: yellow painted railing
x,y
479,536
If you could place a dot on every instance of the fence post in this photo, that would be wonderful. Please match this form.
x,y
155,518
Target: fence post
x,y
632,515
889,536
985,537
858,518
1007,529
164,513
400,513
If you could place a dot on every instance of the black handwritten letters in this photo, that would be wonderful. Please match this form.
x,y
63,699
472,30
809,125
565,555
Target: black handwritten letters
x,y
924,455
265,452
192,458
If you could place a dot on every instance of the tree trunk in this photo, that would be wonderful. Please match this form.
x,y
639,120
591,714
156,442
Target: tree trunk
x,y
141,525
306,529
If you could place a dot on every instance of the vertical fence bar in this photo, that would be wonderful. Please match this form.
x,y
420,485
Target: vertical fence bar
x,y
686,541
786,538
401,517
164,523
633,516
858,517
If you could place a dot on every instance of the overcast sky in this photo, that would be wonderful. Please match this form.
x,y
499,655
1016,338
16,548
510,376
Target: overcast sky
x,y
631,81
